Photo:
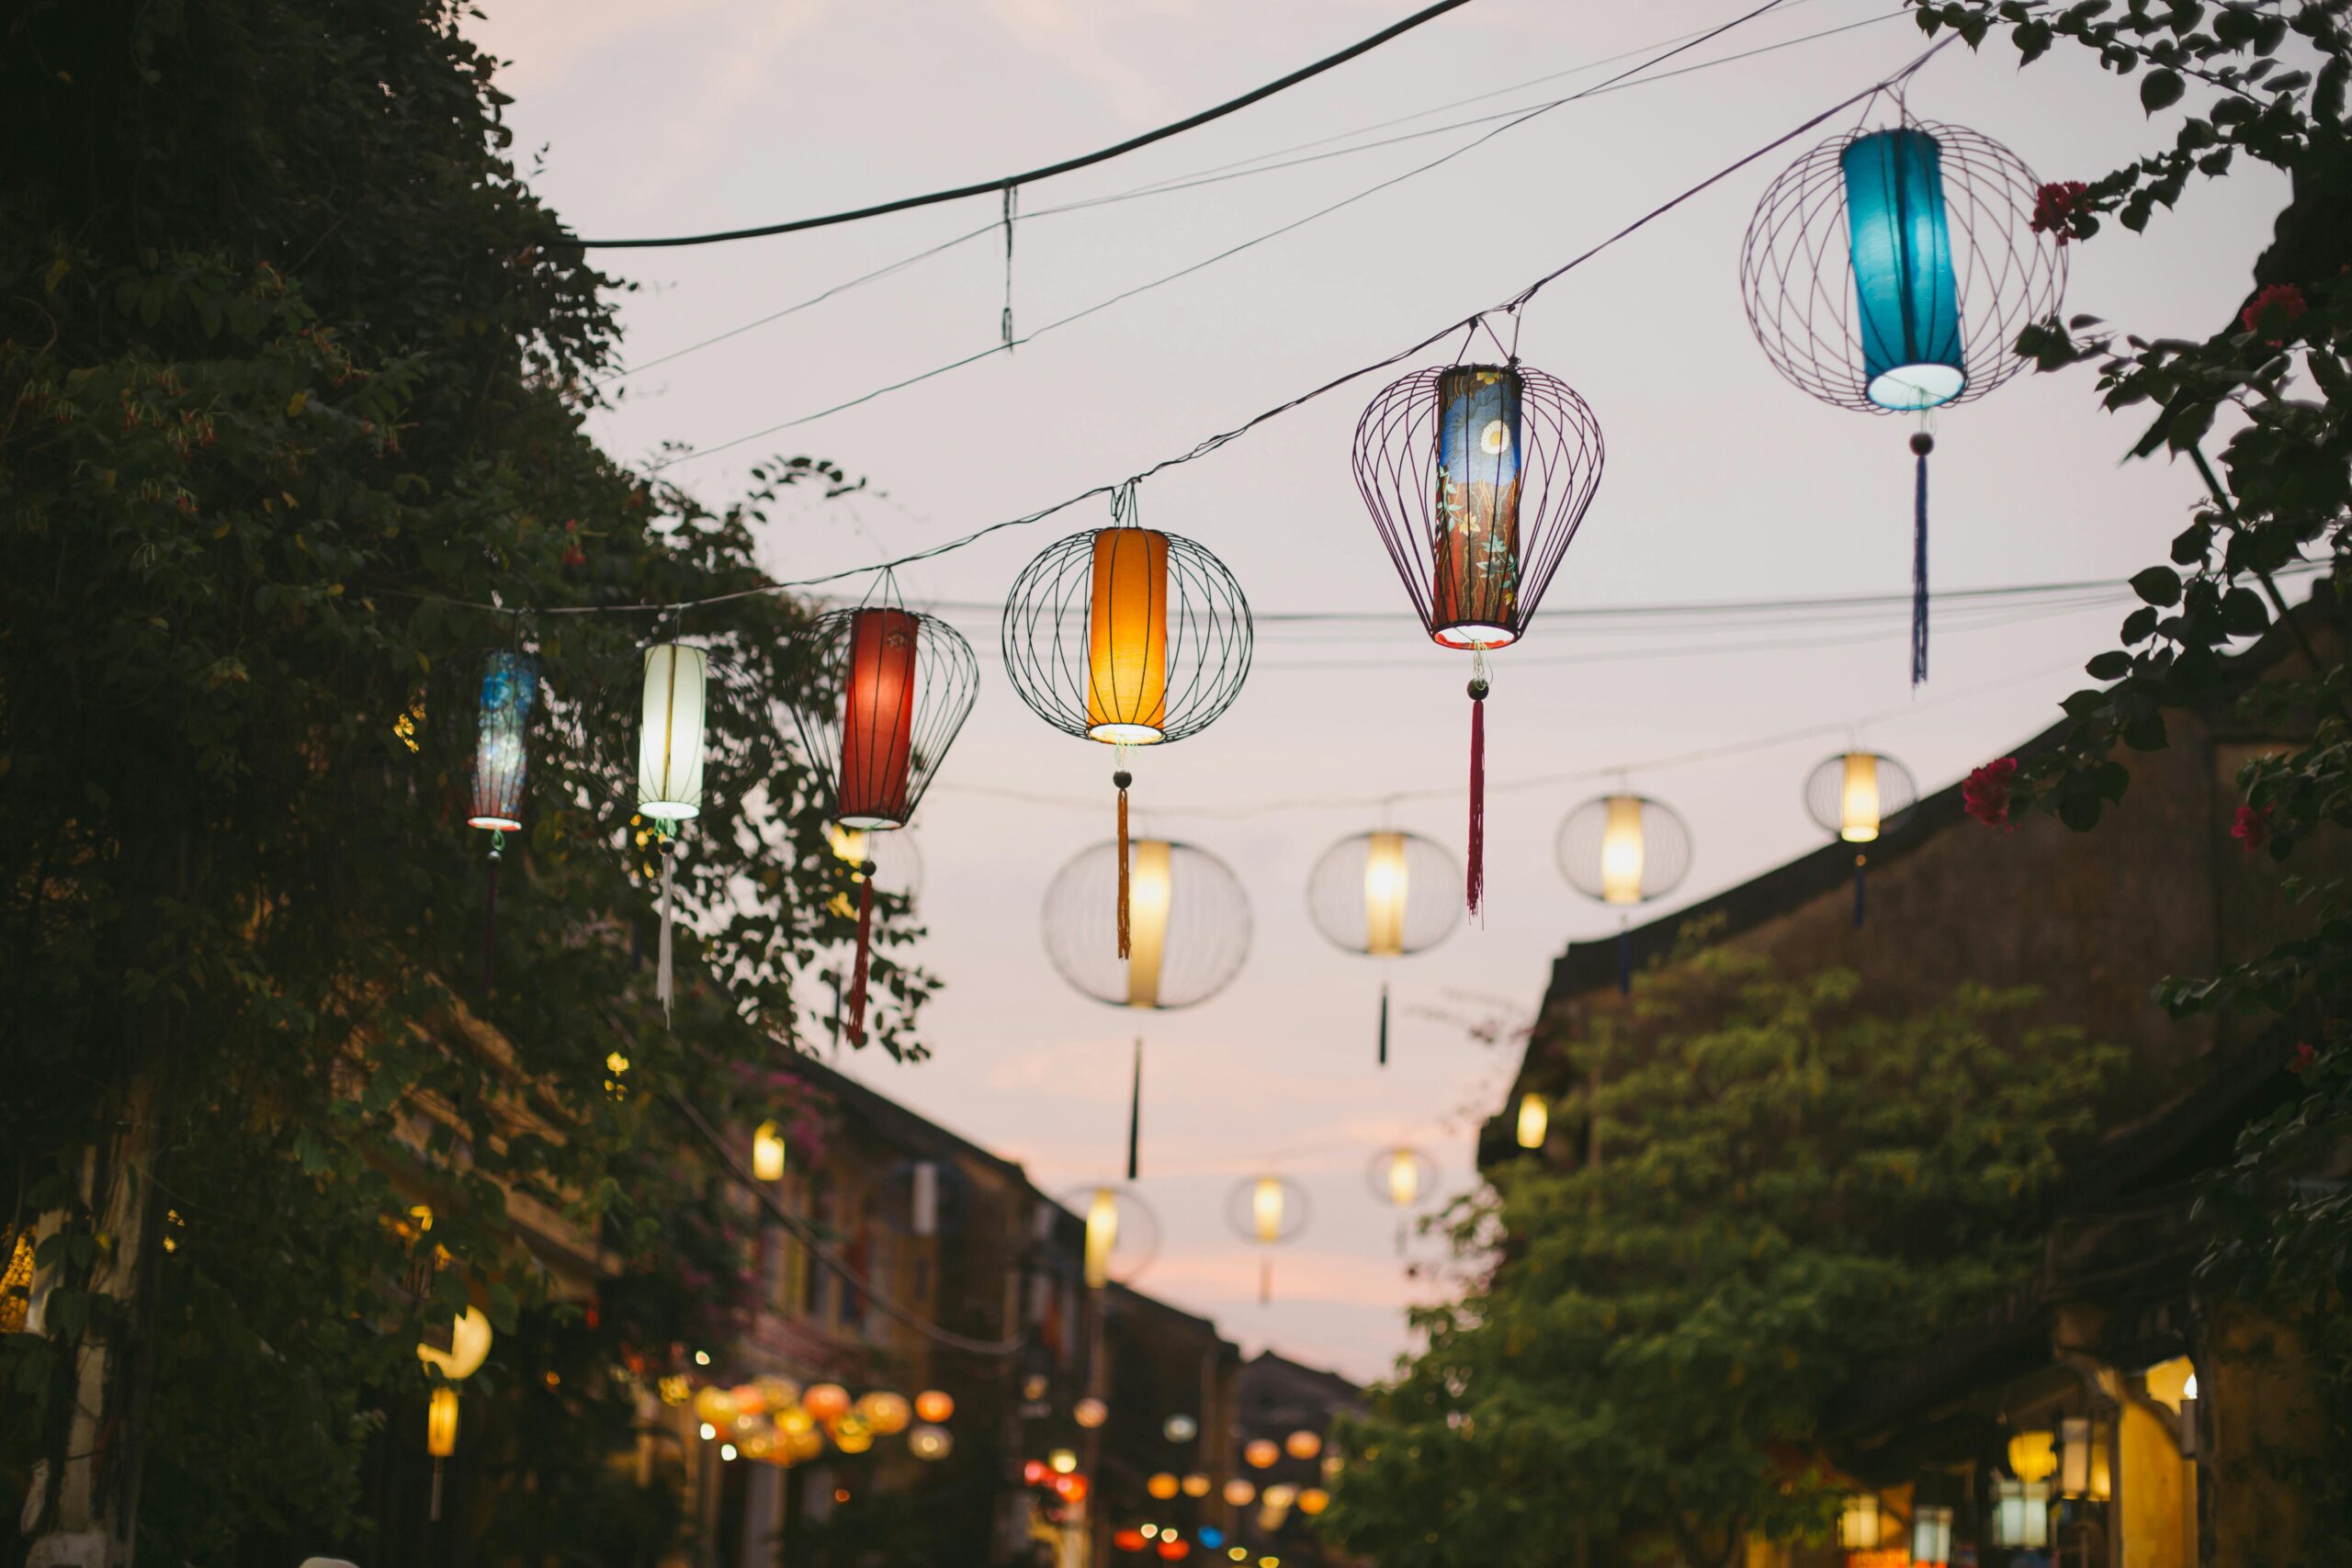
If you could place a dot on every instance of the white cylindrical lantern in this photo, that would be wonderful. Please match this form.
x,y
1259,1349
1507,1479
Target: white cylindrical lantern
x,y
670,737
1931,1537
1858,1522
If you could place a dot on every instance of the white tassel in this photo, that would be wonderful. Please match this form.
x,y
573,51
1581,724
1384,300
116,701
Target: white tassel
x,y
665,985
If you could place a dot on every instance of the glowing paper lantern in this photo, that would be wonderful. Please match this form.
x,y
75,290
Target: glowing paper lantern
x,y
1931,1535
1259,1453
1122,1234
1403,1178
1889,271
470,1339
2033,1456
827,1402
885,1414
669,774
1239,1493
767,1153
1062,1461
1197,1484
1383,894
1313,1501
715,1406
1857,1526
934,1407
1268,1212
2020,1514
1477,477
930,1443
1855,795
1127,636
1303,1444
1163,1486
1180,1428
510,686
1535,1120
1623,850
441,1424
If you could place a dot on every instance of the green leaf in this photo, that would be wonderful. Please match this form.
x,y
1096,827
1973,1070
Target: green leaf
x,y
2158,585
2160,89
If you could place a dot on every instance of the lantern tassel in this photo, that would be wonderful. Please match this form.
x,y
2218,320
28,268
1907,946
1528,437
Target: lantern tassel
x,y
1384,1023
490,917
1122,778
865,949
432,1511
1860,884
1625,959
665,978
1135,1112
1476,889
1922,442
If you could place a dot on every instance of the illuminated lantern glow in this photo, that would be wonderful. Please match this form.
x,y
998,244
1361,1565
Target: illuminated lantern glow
x,y
1152,891
1090,1413
827,1402
1535,1120
886,1413
1180,1428
1623,850
1197,1484
1162,1486
1313,1501
934,1407
2020,1514
1387,882
469,1338
930,1443
1266,1209
1857,796
750,1403
714,1405
1239,1493
1931,1537
1102,1235
2033,1456
441,1423
767,1153
1126,639
1621,853
1261,1453
1061,1462
1383,894
1401,1178
510,686
1172,1549
1129,1540
851,1436
1279,1497
878,720
1034,1473
1303,1444
1857,814
1904,283
1858,1523
669,736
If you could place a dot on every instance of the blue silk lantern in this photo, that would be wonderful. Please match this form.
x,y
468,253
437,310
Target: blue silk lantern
x,y
1903,284
1889,271
510,686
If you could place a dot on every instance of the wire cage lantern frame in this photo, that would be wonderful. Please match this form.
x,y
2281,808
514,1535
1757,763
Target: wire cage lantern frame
x,y
1623,850
1193,926
1121,1232
1797,279
1268,1211
891,689
1855,796
1404,1178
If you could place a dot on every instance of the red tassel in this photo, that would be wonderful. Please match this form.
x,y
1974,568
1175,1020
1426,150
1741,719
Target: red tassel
x,y
864,947
1120,779
1477,889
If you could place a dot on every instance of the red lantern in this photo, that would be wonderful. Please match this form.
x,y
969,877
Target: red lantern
x,y
1129,1540
906,681
1172,1550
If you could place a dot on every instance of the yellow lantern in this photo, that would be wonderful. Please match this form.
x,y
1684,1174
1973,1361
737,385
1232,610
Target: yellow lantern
x,y
1126,639
1262,1452
1858,1525
1090,1413
1313,1501
1383,895
827,1402
1102,1235
1062,1461
1197,1484
1152,893
1857,799
934,1407
767,1153
2033,1456
1267,1211
1163,1486
1279,1497
930,1443
886,1414
1623,850
1385,886
853,1435
714,1405
1239,1493
441,1423
469,1347
1535,1120
1303,1444
1854,796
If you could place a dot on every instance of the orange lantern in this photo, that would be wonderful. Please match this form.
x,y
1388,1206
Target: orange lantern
x,y
933,1407
826,1402
1161,1486
1262,1452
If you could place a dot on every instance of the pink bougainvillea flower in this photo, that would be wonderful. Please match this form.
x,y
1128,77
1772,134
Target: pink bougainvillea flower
x,y
2252,828
2306,1055
1986,794
2059,206
2286,296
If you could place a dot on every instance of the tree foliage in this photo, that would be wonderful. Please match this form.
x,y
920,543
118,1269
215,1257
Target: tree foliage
x,y
1781,1184
293,378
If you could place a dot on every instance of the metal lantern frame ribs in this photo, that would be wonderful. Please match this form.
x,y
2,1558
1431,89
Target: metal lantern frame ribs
x,y
1194,928
1477,476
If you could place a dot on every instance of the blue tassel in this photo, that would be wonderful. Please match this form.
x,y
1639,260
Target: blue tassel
x,y
1921,444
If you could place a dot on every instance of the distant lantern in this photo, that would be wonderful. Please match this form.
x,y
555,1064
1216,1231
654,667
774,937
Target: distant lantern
x,y
1858,1523
1189,934
1128,637
716,1406
1162,1486
1303,1444
934,1407
669,772
893,691
2021,1514
1262,1452
1128,1539
1122,1234
767,1153
1402,1178
1535,1120
510,686
1240,1493
1267,1211
1889,270
1623,850
1197,1484
930,1442
2083,1465
886,1414
1383,894
441,1424
1180,1428
2033,1456
1931,1535
1313,1501
469,1347
1856,796
1477,477
826,1402
1062,1461
1090,1413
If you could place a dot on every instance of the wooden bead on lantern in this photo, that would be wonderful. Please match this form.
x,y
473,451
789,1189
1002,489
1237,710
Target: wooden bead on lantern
x,y
1477,477
1128,637
892,689
1623,850
1855,795
1383,894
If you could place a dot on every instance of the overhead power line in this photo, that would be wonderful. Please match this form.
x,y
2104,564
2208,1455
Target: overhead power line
x,y
1004,182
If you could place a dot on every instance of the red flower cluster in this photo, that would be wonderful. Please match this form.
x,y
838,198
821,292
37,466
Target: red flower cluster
x,y
2286,296
1986,794
2252,828
2058,207
2306,1057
